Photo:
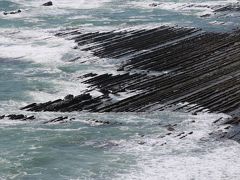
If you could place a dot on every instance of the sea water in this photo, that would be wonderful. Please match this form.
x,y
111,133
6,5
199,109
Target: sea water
x,y
35,67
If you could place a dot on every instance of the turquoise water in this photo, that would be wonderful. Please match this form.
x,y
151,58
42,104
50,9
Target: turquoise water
x,y
131,148
35,67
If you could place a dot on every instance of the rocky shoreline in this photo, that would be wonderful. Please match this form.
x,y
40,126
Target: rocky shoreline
x,y
164,68
183,69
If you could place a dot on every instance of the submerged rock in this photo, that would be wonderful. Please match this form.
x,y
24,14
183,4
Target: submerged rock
x,y
233,121
170,128
163,144
205,15
58,119
49,3
153,5
99,121
12,12
180,134
230,7
18,117
141,142
15,117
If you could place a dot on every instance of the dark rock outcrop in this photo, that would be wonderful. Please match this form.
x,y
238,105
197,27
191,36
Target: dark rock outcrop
x,y
68,104
56,120
12,12
181,69
230,7
165,67
20,117
49,3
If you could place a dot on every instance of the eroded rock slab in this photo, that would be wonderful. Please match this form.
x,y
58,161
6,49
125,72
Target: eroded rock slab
x,y
182,69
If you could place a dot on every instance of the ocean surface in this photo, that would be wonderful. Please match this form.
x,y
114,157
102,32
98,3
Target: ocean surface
x,y
35,67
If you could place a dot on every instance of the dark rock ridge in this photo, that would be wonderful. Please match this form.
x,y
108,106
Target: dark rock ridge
x,y
59,119
164,66
77,103
20,117
230,7
181,69
56,120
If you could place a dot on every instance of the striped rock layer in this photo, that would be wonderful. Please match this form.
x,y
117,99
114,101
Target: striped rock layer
x,y
182,69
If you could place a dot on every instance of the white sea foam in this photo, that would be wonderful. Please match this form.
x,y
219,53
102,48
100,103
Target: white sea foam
x,y
185,7
53,54
81,17
194,157
72,4
33,45
197,156
63,88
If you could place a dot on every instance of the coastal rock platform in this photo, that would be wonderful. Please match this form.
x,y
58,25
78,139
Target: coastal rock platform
x,y
174,68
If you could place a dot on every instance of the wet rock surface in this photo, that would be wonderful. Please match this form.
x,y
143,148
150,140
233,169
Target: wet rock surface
x,y
180,69
19,117
68,104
